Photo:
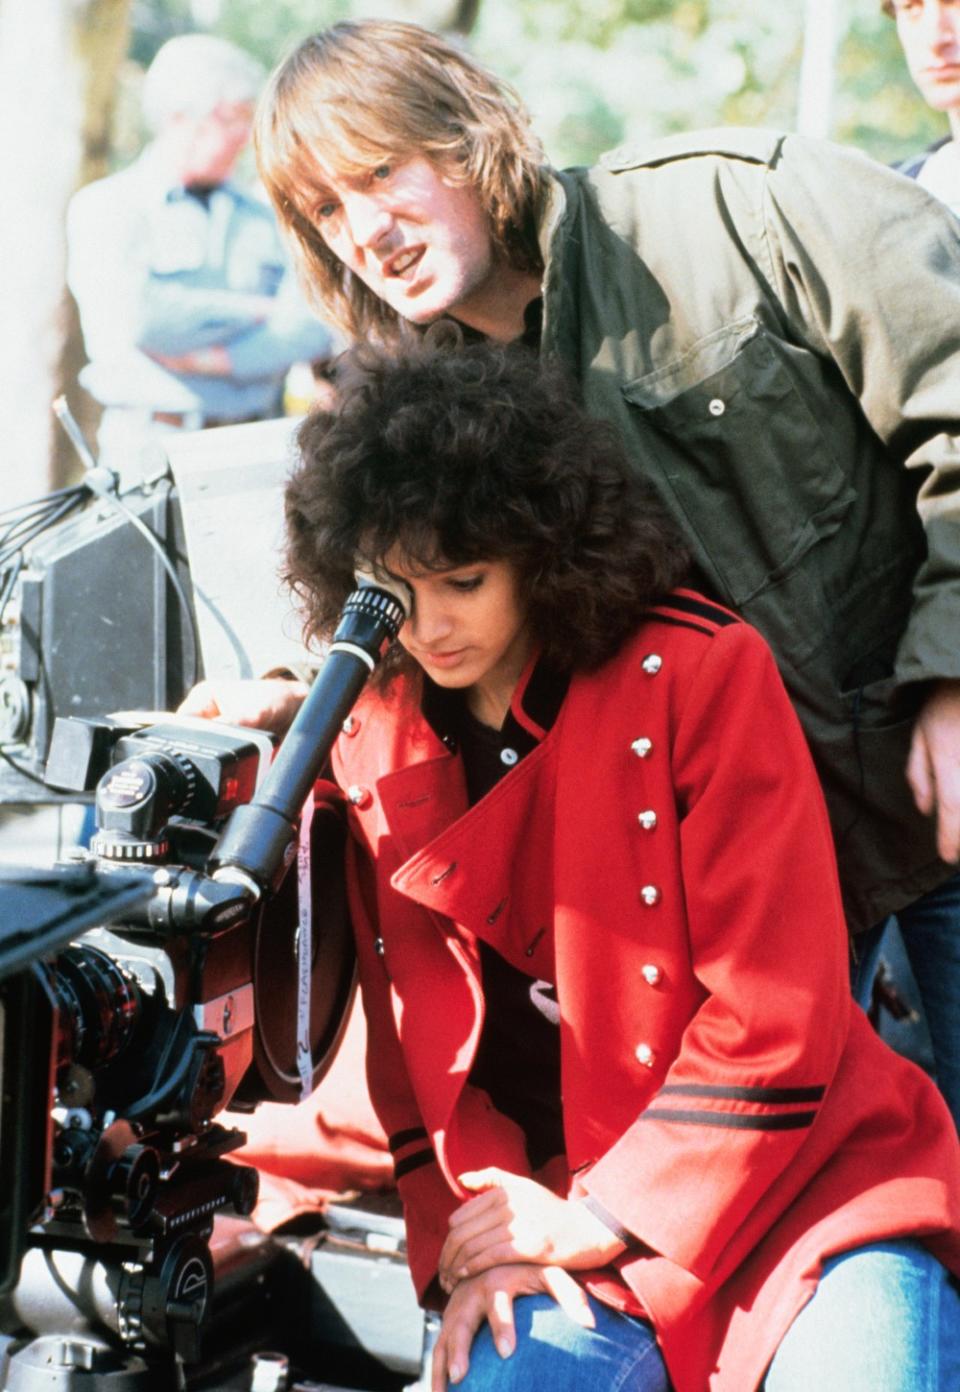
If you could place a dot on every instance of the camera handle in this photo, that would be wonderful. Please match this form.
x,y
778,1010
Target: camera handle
x,y
259,839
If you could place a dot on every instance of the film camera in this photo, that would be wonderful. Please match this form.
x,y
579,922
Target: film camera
x,y
198,956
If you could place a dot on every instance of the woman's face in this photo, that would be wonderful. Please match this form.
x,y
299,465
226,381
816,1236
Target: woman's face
x,y
467,627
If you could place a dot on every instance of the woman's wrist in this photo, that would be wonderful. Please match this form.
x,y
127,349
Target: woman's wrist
x,y
617,1238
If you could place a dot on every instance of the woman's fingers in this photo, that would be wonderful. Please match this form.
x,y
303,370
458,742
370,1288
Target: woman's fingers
x,y
520,1220
488,1228
478,1181
497,1254
571,1298
488,1298
451,1353
488,1201
500,1318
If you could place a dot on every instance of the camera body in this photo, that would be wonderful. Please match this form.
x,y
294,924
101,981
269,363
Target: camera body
x,y
134,1035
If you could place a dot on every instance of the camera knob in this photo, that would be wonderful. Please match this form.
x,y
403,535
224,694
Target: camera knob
x,y
15,709
121,846
121,1183
134,1180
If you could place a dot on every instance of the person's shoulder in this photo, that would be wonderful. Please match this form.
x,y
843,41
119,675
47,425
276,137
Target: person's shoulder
x,y
690,611
391,700
686,628
99,190
913,164
126,187
691,654
753,145
682,626
252,201
784,156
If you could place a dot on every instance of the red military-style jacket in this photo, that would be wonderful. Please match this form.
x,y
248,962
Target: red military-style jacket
x,y
661,853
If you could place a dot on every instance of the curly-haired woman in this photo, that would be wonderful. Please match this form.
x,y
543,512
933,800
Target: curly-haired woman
x,y
640,1130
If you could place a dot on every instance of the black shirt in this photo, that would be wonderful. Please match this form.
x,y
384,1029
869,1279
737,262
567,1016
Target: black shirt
x,y
518,1056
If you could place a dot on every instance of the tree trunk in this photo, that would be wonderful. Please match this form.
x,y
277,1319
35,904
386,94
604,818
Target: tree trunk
x,y
465,16
101,37
818,68
58,66
446,16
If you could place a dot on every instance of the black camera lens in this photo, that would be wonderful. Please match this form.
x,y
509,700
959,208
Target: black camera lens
x,y
100,1004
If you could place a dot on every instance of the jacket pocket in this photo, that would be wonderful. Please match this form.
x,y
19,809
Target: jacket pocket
x,y
746,460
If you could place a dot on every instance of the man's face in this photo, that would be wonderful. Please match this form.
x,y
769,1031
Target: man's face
x,y
211,144
420,241
930,34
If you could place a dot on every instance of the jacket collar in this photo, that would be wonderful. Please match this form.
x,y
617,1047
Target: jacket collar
x,y
551,213
421,796
559,239
534,706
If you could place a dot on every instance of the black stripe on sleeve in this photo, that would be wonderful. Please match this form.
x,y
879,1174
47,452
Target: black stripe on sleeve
x,y
680,623
412,1162
401,1138
738,1121
772,1095
701,607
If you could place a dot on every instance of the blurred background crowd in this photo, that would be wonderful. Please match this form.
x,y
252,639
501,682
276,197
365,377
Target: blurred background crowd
x,y
593,74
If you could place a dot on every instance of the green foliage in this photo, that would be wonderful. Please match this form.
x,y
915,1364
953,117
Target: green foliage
x,y
595,72
270,30
632,69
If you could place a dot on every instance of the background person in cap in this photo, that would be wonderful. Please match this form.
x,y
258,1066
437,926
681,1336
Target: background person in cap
x,y
190,314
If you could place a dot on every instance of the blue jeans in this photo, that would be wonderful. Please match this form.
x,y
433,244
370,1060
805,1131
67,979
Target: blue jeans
x,y
884,1318
619,1355
930,929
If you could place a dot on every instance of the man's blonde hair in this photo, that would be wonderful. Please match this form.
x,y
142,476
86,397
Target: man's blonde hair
x,y
372,92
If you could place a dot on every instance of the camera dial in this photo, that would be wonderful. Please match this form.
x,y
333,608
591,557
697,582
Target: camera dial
x,y
135,801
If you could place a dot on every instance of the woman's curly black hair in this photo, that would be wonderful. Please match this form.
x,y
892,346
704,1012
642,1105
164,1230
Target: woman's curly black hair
x,y
457,455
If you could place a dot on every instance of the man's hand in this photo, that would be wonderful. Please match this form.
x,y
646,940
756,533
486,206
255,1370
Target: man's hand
x,y
933,768
514,1219
269,703
490,1297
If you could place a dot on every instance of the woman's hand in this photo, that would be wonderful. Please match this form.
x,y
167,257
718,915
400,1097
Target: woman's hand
x,y
514,1219
490,1297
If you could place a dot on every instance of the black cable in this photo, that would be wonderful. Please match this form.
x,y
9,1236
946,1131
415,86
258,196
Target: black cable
x,y
19,768
43,503
22,530
26,514
28,529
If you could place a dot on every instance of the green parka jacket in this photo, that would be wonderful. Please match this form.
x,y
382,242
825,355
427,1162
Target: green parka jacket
x,y
774,325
